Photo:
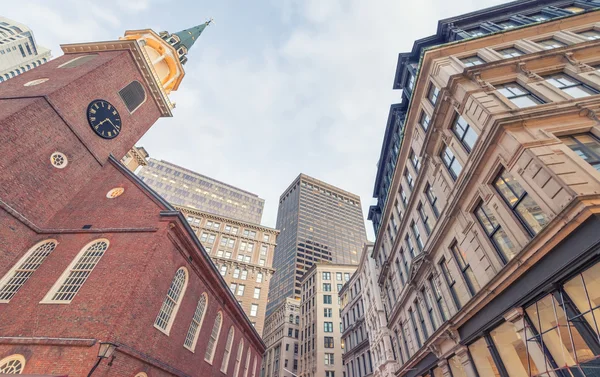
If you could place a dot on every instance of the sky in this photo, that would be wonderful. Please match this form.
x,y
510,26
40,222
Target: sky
x,y
273,88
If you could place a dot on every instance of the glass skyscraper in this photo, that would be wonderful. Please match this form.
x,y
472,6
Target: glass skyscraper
x,y
180,186
318,223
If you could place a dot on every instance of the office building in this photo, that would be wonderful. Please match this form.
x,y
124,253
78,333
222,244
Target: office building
x,y
281,335
319,223
183,187
487,234
243,254
19,52
356,359
321,344
98,274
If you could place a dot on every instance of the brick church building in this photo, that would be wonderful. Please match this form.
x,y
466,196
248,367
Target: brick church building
x,y
97,272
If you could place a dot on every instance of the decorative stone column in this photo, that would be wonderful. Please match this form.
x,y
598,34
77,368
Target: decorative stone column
x,y
443,365
463,356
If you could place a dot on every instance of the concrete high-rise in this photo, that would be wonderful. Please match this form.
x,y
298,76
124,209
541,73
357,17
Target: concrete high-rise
x,y
319,223
19,51
180,186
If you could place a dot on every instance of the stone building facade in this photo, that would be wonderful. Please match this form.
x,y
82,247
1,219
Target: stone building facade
x,y
281,335
487,247
76,267
321,343
356,359
243,254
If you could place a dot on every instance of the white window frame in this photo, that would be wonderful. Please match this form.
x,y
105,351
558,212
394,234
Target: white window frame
x,y
21,263
212,351
177,303
197,322
238,358
227,352
61,280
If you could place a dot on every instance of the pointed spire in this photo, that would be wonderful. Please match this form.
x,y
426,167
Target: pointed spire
x,y
188,37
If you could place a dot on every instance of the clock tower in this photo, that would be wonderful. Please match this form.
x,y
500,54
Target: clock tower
x,y
96,100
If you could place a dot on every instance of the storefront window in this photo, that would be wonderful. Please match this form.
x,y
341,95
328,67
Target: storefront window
x,y
584,291
482,358
456,367
513,352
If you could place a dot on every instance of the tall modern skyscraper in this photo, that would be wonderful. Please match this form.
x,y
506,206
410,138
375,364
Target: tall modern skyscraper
x,y
318,223
184,187
18,50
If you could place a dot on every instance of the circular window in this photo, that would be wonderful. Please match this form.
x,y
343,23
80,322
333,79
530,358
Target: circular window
x,y
35,82
58,160
116,192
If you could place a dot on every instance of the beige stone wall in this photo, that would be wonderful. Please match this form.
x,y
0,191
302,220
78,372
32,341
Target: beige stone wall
x,y
281,335
524,142
227,242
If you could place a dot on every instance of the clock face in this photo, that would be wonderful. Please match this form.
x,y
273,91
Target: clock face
x,y
104,119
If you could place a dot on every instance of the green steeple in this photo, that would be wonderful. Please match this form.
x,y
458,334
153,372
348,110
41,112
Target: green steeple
x,y
188,37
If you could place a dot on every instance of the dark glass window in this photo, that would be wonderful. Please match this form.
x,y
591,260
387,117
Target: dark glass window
x,y
451,163
477,32
551,43
434,284
409,245
591,34
415,328
508,24
465,269
586,146
400,272
464,133
472,61
522,205
432,199
415,230
571,86
328,340
424,120
411,81
433,94
539,16
495,233
450,281
405,263
421,320
133,95
518,95
429,306
424,218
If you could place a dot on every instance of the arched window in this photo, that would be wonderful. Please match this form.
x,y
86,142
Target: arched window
x,y
238,358
254,367
24,268
297,319
194,330
14,364
291,318
247,365
214,338
133,95
169,308
244,275
223,270
227,353
71,281
141,374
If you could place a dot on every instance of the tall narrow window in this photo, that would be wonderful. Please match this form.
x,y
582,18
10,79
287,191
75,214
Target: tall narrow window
x,y
169,308
523,206
414,160
192,335
432,199
403,196
424,218
254,367
439,299
433,94
571,86
214,338
454,167
421,320
464,133
247,365
415,230
24,268
465,269
450,281
238,358
429,306
409,179
415,327
409,245
227,352
495,233
586,146
518,95
424,120
71,281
